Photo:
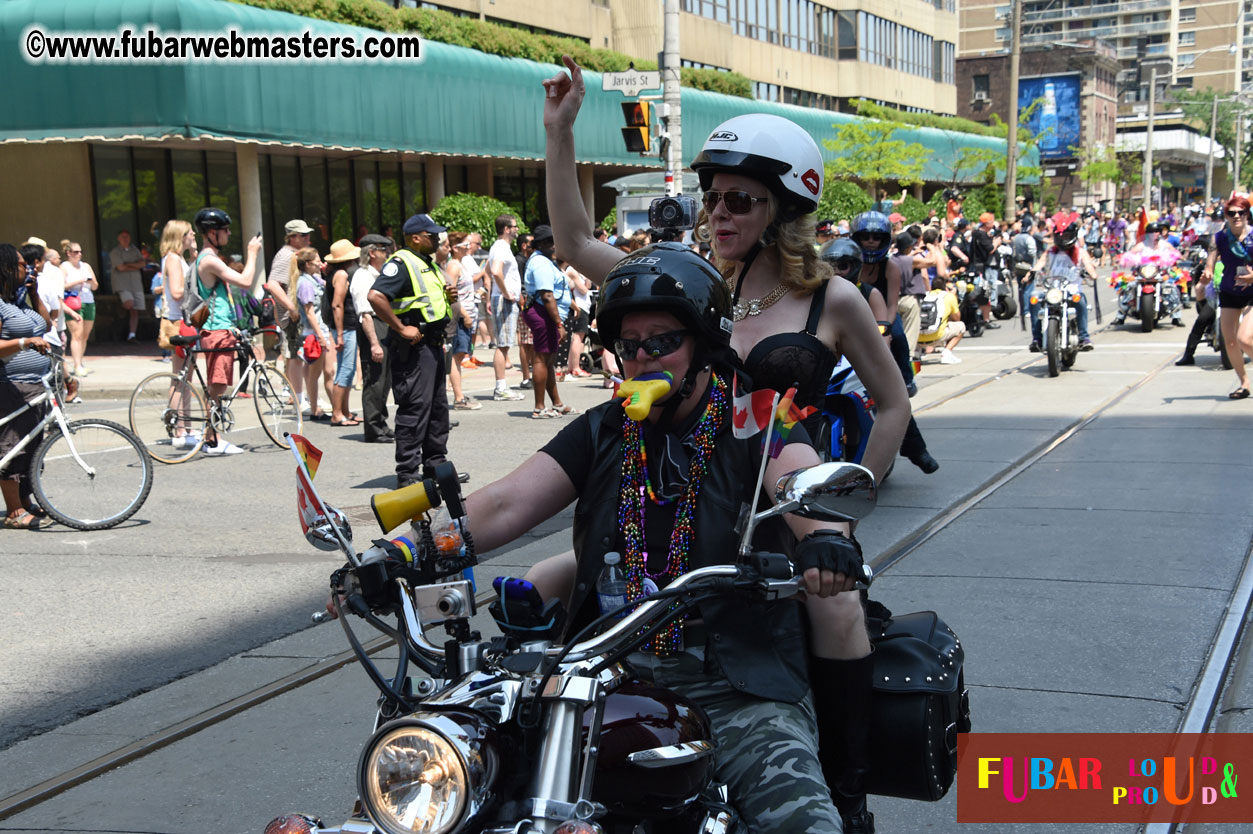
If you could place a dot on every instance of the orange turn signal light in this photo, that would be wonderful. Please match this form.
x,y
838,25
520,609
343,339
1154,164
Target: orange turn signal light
x,y
1075,298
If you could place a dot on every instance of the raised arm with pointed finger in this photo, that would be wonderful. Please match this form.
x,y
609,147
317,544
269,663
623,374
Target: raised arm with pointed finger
x,y
572,228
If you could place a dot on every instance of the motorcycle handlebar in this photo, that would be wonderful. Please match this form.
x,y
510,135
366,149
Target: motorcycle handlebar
x,y
643,613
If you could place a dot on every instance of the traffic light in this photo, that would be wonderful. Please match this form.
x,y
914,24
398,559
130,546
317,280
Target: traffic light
x,y
638,115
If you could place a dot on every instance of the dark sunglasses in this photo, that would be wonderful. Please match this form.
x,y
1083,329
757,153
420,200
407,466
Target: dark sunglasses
x,y
846,265
737,202
1237,214
663,344
861,236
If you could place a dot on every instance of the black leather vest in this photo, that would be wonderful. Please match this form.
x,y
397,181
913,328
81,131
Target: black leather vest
x,y
760,648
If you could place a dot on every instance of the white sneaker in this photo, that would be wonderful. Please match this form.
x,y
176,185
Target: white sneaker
x,y
305,408
947,357
505,395
224,447
185,441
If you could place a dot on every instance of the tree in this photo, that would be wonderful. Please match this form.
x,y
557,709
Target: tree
x,y
1198,109
841,199
473,213
867,151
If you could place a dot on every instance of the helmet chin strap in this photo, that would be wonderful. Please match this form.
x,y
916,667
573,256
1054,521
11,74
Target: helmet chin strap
x,y
685,387
747,264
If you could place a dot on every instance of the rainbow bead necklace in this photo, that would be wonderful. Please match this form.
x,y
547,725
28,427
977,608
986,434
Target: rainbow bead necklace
x,y
636,485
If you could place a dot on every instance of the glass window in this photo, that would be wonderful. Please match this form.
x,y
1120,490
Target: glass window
x,y
115,201
285,181
1187,15
152,195
1187,38
190,194
391,202
366,174
267,209
341,199
223,178
314,201
456,179
414,191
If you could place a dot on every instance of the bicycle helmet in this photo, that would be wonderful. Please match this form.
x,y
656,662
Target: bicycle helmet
x,y
872,222
841,251
672,278
777,152
211,218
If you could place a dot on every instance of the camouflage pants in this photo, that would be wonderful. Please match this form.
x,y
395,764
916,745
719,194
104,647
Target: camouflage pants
x,y
767,750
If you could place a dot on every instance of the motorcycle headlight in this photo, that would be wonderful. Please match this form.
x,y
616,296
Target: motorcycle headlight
x,y
1054,296
422,775
1149,271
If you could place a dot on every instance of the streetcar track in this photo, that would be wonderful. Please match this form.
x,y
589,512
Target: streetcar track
x,y
1219,659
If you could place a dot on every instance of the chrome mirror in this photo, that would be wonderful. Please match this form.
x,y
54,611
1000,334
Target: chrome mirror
x,y
828,491
330,532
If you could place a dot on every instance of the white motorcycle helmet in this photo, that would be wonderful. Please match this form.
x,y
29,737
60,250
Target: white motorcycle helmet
x,y
771,149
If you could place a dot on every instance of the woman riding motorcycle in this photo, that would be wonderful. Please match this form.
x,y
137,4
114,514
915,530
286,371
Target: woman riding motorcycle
x,y
762,177
1065,258
666,492
1154,247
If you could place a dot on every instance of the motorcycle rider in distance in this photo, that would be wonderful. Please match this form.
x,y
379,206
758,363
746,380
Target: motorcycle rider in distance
x,y
1069,260
762,177
1154,242
664,308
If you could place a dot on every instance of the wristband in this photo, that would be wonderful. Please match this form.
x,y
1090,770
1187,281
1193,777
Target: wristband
x,y
21,344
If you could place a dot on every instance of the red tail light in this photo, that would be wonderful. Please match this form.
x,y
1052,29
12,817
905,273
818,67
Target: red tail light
x,y
293,824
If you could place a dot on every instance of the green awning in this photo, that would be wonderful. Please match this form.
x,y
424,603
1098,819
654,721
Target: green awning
x,y
454,101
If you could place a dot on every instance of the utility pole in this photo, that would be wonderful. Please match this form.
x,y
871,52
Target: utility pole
x,y
1209,160
1011,163
1147,174
671,98
1235,184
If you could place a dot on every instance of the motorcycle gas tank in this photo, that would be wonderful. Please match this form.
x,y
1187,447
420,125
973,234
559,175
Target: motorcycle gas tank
x,y
640,717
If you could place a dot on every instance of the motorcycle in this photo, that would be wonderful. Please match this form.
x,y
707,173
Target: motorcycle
x,y
1059,311
970,296
1004,294
523,735
1150,293
848,415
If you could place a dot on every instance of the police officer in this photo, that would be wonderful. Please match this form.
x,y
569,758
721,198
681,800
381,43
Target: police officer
x,y
409,296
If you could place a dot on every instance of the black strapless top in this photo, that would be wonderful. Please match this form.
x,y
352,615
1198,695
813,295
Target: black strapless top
x,y
786,360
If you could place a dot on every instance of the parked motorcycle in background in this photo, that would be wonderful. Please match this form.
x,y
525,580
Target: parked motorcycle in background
x,y
1004,293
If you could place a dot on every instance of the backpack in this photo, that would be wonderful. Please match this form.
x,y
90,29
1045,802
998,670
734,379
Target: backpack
x,y
929,314
195,305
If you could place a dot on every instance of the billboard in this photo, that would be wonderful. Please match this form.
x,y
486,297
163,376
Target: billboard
x,y
1057,117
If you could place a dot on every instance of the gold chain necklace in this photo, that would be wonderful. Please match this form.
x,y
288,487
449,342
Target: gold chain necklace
x,y
754,306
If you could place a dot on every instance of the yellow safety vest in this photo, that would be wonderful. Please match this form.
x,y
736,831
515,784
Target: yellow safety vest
x,y
427,293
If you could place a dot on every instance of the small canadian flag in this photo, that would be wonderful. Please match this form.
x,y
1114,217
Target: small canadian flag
x,y
751,412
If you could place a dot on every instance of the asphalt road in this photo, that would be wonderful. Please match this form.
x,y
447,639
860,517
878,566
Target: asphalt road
x,y
1086,590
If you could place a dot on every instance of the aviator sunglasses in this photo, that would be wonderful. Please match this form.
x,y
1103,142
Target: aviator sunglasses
x,y
663,344
737,202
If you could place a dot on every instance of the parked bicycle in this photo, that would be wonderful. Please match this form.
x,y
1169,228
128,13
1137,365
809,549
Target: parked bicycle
x,y
171,415
88,474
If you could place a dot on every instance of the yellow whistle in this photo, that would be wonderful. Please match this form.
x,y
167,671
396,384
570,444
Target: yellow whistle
x,y
641,392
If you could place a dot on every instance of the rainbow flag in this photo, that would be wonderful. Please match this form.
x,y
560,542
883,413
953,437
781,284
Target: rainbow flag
x,y
308,454
786,415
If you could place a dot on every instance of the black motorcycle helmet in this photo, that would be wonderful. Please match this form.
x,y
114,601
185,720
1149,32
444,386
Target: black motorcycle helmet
x,y
1068,236
673,278
842,252
211,218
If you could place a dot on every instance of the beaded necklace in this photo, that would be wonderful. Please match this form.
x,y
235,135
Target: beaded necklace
x,y
636,485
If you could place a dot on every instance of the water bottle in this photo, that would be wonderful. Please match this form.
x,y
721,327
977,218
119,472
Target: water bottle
x,y
611,588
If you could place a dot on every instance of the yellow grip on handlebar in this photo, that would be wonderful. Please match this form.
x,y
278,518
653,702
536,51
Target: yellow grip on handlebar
x,y
392,509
